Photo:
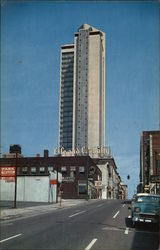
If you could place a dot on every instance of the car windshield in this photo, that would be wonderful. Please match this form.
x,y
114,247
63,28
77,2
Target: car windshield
x,y
148,199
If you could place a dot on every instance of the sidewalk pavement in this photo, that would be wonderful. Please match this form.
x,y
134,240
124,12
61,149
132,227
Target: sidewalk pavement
x,y
27,209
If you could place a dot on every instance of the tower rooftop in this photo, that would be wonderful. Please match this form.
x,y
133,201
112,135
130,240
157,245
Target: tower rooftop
x,y
86,26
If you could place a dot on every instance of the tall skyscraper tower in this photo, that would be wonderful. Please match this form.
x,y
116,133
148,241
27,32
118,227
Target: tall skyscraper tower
x,y
82,90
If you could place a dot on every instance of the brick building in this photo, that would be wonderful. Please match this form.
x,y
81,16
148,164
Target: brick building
x,y
150,162
78,172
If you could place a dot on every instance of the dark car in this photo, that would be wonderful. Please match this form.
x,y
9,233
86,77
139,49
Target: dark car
x,y
146,209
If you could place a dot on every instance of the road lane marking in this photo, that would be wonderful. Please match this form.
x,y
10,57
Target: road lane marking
x,y
110,228
72,215
91,244
12,237
127,230
100,205
116,215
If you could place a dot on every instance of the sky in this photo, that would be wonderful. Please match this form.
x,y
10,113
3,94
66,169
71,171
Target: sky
x,y
32,33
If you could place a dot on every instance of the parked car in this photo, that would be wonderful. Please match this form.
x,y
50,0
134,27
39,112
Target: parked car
x,y
146,209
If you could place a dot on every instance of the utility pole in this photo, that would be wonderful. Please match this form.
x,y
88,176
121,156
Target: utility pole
x,y
57,185
87,175
15,192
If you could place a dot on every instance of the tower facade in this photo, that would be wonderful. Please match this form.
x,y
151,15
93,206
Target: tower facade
x,y
86,90
66,97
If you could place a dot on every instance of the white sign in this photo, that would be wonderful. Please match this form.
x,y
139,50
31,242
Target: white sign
x,y
98,183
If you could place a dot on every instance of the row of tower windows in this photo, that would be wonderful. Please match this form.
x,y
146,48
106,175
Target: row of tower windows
x,y
67,54
66,127
67,59
66,99
66,105
67,63
67,74
67,94
67,78
67,69
67,109
66,84
66,130
66,113
67,88
66,138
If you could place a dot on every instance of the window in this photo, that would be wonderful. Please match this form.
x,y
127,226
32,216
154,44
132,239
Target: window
x,y
82,188
33,170
41,169
73,168
63,169
24,170
81,169
50,169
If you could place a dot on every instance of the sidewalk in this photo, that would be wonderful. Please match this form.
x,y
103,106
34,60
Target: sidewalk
x,y
27,209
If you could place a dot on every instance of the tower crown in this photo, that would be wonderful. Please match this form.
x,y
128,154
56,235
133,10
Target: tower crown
x,y
86,26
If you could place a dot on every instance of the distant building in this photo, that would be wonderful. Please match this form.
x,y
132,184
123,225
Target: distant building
x,y
111,181
123,193
150,162
82,91
14,151
15,148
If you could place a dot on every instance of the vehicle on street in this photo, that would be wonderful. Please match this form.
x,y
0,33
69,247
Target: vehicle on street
x,y
146,209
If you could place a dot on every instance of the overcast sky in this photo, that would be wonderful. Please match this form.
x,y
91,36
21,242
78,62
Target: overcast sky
x,y
32,35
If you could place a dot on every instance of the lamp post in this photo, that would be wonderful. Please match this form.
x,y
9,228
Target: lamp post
x,y
57,184
87,175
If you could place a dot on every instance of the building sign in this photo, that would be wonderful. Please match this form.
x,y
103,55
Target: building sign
x,y
8,173
155,178
98,184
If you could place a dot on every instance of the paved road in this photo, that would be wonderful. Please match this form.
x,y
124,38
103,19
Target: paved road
x,y
98,225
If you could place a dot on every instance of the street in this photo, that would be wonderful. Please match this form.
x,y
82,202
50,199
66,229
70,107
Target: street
x,y
102,224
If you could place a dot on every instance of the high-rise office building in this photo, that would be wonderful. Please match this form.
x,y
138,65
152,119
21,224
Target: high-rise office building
x,y
66,97
82,91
